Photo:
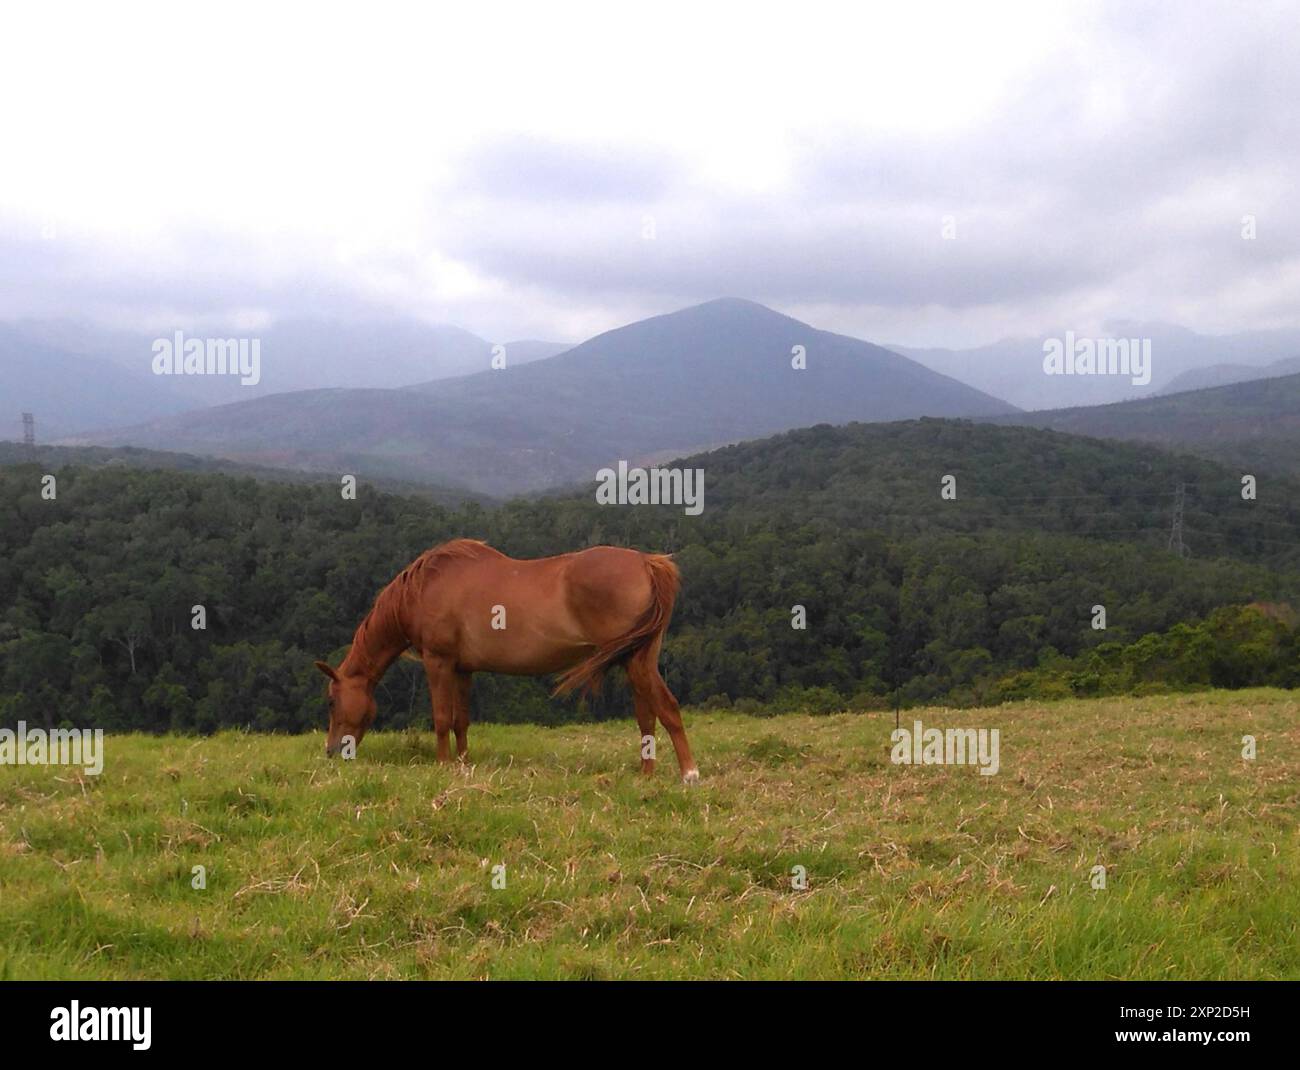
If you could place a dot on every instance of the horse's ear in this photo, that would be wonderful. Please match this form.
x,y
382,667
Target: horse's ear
x,y
325,668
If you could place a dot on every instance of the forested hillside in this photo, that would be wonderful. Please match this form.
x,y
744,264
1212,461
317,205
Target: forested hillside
x,y
905,594
50,458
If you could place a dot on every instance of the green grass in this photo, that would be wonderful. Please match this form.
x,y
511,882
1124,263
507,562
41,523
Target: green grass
x,y
382,867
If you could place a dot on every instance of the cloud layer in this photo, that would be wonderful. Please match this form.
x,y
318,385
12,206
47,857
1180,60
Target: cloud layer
x,y
939,178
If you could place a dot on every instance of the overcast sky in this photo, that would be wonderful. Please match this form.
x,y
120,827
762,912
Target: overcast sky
x,y
551,170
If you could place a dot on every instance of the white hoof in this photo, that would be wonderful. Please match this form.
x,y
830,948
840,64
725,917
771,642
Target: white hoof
x,y
691,776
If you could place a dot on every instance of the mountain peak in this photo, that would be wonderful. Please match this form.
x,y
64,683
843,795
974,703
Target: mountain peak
x,y
730,306
732,302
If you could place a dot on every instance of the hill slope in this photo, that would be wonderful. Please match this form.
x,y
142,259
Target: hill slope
x,y
1253,425
707,375
1226,374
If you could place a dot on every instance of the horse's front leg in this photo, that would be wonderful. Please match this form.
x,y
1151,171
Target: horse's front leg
x,y
460,718
442,691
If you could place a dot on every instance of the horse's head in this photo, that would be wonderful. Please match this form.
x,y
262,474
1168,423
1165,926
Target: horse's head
x,y
352,708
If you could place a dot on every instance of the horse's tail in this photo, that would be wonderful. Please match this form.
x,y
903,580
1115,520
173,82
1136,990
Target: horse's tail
x,y
665,581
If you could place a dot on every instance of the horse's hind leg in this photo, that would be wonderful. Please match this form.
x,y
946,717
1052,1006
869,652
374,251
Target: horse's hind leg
x,y
645,721
649,686
442,690
460,720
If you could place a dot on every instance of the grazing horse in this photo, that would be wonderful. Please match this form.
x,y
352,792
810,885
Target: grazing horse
x,y
464,607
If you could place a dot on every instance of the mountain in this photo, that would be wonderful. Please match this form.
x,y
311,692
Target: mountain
x,y
1225,374
707,375
79,377
1013,367
1253,425
527,350
311,354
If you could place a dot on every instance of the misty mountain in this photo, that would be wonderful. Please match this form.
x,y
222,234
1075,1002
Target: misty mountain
x,y
527,350
1013,368
1253,425
68,392
77,377
311,354
707,375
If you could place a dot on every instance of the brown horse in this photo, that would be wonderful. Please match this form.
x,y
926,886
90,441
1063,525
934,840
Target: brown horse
x,y
465,608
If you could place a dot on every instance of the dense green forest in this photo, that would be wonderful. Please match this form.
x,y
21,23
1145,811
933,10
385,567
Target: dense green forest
x,y
1235,646
907,595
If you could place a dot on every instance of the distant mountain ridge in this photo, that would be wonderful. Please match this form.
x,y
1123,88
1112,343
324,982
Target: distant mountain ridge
x,y
1226,374
1013,367
719,372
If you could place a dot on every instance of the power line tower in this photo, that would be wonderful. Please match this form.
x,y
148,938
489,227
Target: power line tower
x,y
1176,543
29,434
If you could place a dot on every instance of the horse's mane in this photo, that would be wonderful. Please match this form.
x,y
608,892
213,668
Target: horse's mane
x,y
432,560
390,600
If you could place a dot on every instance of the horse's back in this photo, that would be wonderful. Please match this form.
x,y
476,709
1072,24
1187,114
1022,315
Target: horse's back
x,y
507,614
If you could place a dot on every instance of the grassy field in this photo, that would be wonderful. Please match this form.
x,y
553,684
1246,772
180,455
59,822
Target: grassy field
x,y
383,867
